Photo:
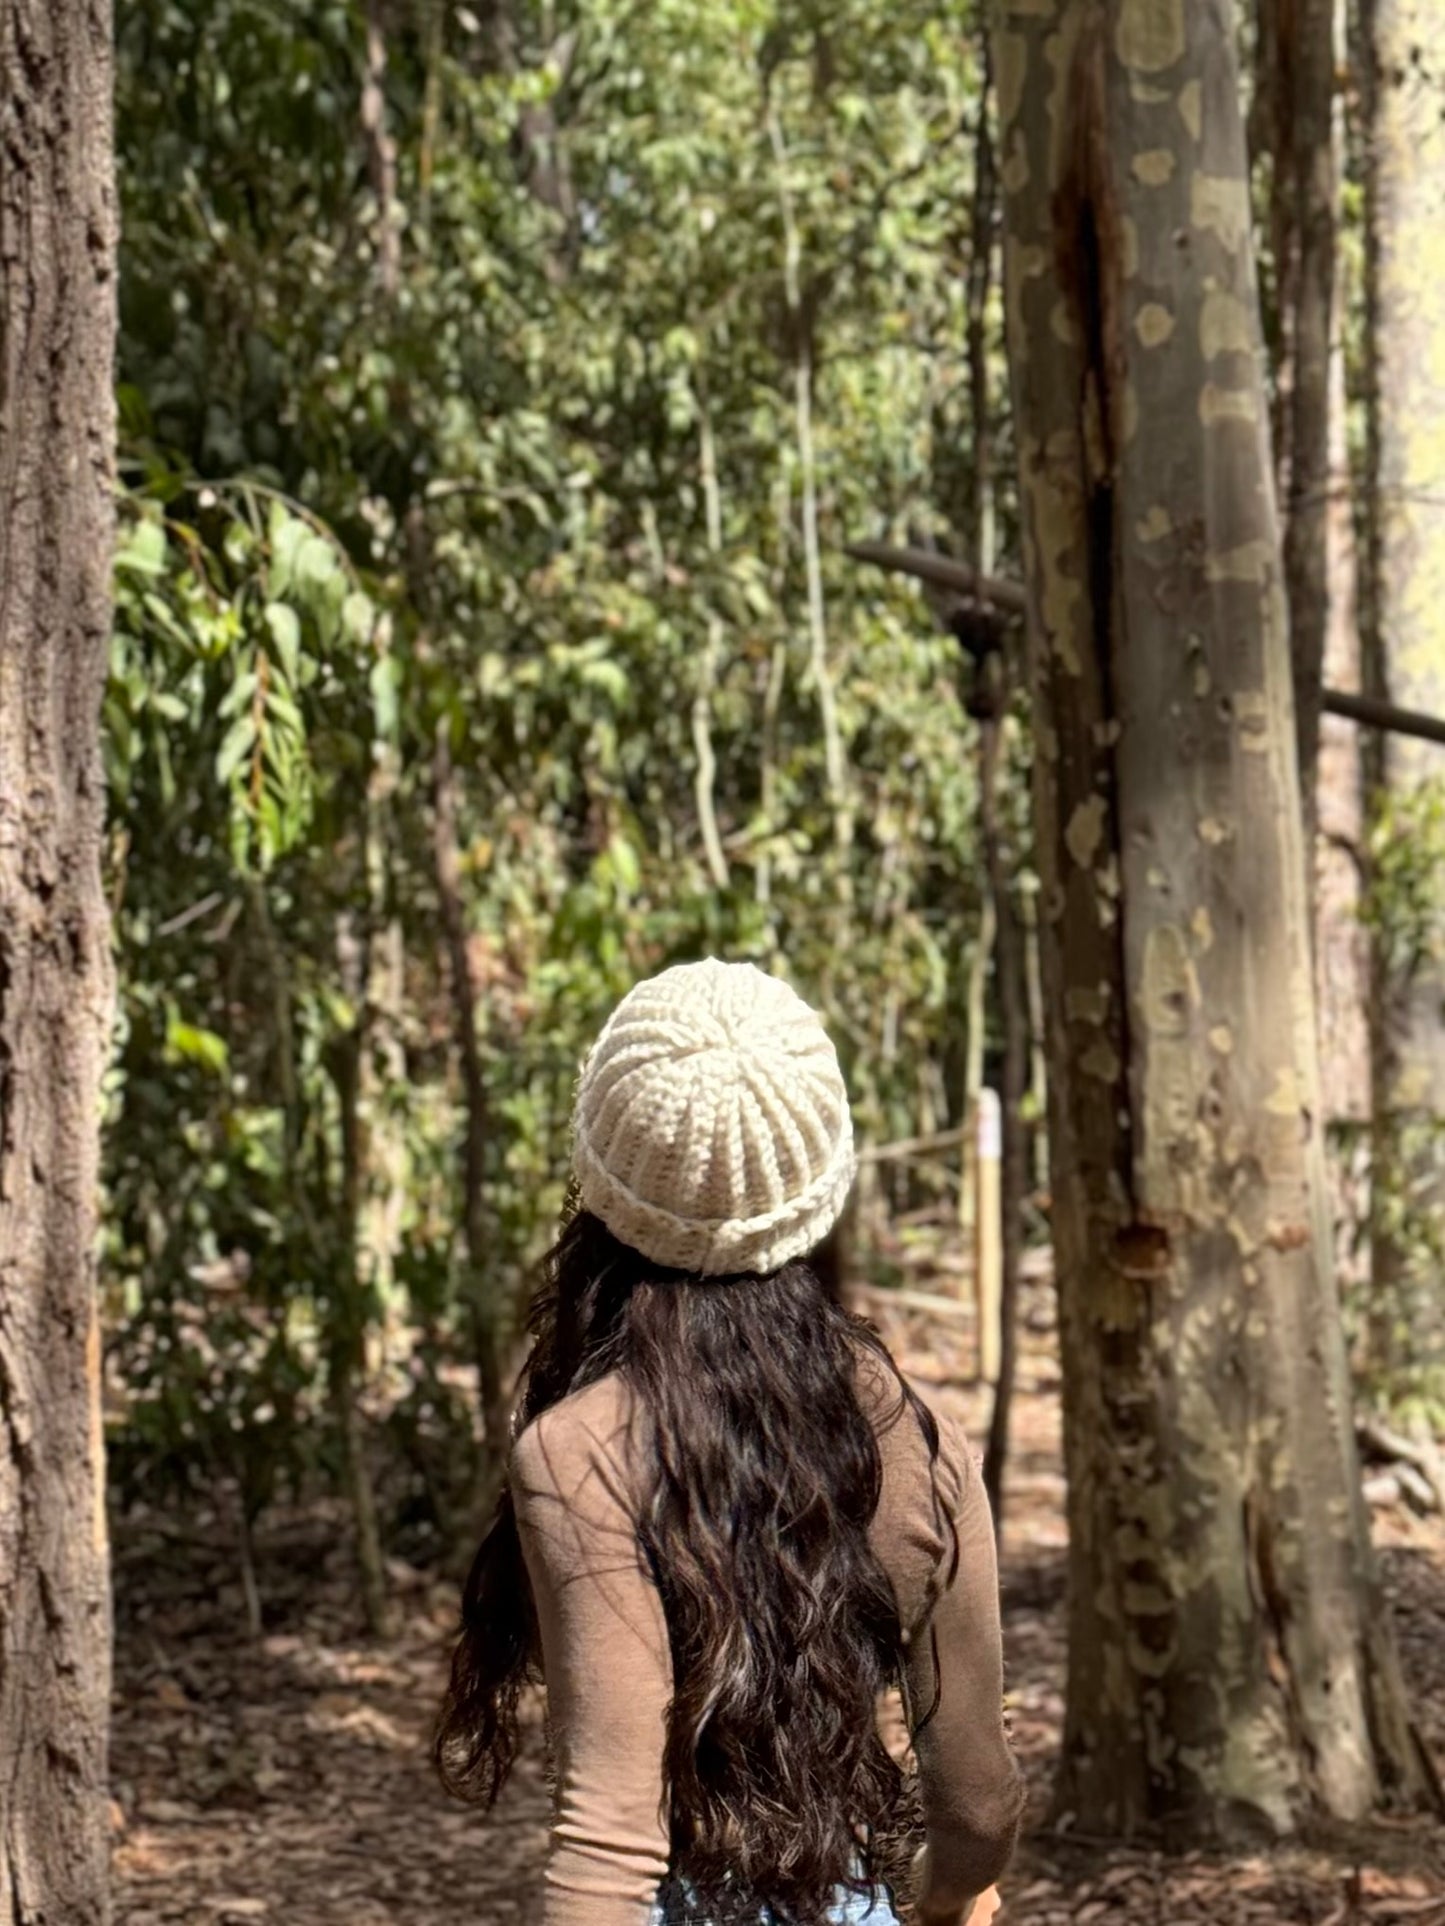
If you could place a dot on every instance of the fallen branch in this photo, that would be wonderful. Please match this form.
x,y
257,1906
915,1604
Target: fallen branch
x,y
1419,1456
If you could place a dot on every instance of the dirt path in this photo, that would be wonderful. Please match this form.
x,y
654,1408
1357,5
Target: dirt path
x,y
288,1781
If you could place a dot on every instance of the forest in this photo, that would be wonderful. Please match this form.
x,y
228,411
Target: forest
x,y
944,501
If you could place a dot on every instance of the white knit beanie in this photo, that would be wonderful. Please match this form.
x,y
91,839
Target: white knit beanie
x,y
711,1129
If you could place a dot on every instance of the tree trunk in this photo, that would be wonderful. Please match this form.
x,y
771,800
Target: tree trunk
x,y
705,781
486,1334
1038,1057
1011,981
820,668
981,251
380,153
976,1015
541,146
1405,592
57,335
1305,190
1342,946
349,1310
1010,957
1229,1657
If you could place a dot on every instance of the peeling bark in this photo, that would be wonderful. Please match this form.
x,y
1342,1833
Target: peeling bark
x,y
57,476
1405,592
1229,1661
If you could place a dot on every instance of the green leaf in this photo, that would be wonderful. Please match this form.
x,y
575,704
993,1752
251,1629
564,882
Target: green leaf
x,y
608,678
238,696
119,730
285,628
281,707
194,1045
385,683
286,534
358,616
316,563
237,744
144,550
626,866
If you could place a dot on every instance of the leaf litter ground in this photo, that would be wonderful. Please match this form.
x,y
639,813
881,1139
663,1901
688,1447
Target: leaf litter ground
x,y
286,1779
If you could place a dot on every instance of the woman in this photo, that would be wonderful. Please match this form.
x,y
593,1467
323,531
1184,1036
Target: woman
x,y
729,1524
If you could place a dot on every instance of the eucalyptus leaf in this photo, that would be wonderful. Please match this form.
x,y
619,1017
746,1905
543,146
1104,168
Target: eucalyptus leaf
x,y
237,744
284,626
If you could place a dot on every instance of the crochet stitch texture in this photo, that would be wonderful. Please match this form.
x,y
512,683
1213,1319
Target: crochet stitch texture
x,y
711,1128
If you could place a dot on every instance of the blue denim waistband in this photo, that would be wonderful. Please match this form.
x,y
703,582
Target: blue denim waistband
x,y
848,1909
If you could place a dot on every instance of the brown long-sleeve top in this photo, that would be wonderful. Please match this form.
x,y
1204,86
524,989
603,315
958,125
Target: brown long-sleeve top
x,y
605,1653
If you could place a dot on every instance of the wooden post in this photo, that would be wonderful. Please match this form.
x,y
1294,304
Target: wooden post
x,y
987,1232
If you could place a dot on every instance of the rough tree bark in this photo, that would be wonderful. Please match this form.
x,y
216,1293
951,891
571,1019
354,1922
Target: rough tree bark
x,y
1229,1659
1404,592
57,334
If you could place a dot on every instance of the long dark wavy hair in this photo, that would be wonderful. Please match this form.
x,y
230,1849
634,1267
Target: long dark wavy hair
x,y
753,1521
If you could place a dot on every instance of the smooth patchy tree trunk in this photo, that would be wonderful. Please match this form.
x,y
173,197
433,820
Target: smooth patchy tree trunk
x,y
57,334
1405,593
1229,1658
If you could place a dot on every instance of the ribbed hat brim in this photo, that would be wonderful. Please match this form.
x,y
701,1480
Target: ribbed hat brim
x,y
756,1245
